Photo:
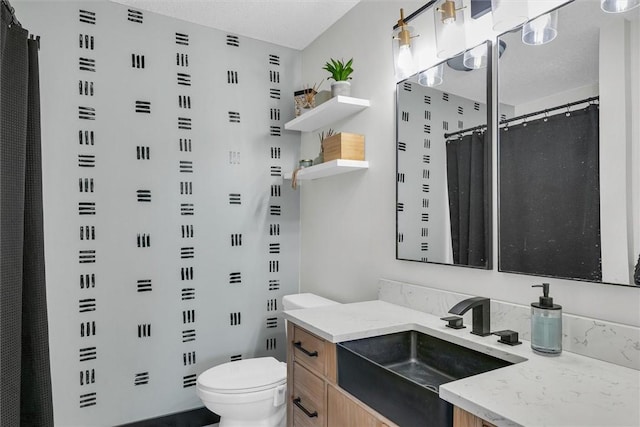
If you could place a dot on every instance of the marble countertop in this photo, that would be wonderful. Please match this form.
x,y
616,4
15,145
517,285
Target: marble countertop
x,y
566,390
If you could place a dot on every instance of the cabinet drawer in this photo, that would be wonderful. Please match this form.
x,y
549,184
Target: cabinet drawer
x,y
309,350
307,398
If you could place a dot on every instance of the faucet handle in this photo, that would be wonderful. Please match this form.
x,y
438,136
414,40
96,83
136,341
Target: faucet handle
x,y
455,322
508,337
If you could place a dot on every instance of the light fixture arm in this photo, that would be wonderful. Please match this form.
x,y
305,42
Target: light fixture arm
x,y
404,35
448,11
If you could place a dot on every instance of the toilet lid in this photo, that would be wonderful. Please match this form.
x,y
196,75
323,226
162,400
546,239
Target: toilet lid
x,y
244,376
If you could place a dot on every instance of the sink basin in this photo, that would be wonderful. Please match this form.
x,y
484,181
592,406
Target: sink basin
x,y
398,374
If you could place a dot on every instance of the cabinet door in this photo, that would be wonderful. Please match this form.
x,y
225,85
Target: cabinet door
x,y
307,398
342,410
462,418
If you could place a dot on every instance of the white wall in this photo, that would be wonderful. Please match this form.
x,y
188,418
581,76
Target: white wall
x,y
348,221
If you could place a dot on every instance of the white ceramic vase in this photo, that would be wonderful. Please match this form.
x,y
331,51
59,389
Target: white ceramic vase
x,y
341,88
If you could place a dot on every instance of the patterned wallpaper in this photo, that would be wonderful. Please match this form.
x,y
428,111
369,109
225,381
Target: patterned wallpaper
x,y
170,237
424,115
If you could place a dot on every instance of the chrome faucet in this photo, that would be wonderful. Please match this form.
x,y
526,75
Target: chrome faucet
x,y
481,314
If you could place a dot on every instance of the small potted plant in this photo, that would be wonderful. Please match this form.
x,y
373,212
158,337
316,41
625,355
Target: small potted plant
x,y
340,72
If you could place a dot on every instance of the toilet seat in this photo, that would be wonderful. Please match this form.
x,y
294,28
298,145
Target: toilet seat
x,y
244,376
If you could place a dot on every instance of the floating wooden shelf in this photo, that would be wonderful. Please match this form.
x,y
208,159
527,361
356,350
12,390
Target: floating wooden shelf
x,y
337,108
334,167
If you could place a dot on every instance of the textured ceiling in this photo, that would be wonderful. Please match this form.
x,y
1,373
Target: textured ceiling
x,y
291,23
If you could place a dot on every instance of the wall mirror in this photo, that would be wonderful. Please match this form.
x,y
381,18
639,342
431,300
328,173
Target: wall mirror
x,y
443,189
568,147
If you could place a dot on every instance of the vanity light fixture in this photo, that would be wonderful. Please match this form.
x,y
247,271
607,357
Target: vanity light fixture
x,y
450,28
431,77
541,30
403,60
448,10
618,6
476,58
509,14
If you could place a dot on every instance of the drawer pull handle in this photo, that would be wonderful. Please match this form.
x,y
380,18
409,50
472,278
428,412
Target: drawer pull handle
x,y
298,345
313,414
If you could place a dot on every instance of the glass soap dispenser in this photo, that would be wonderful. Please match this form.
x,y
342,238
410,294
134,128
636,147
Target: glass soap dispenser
x,y
546,324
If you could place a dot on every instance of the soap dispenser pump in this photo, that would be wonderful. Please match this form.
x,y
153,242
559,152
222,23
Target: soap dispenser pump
x,y
546,324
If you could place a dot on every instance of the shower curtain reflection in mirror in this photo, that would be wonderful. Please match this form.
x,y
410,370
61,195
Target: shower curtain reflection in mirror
x,y
466,183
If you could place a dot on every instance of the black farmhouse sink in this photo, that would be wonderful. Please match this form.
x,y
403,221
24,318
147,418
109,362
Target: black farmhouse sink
x,y
399,374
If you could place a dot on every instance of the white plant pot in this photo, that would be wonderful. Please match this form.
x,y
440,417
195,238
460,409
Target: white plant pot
x,y
341,88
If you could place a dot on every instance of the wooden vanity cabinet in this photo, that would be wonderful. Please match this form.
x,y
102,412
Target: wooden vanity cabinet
x,y
462,418
314,398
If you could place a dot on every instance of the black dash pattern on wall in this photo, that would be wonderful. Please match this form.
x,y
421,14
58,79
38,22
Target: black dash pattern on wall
x,y
407,86
274,93
143,152
232,77
235,318
86,160
276,170
274,284
188,294
274,59
272,322
184,79
274,229
87,329
274,248
144,330
272,304
143,195
274,76
235,278
188,335
86,16
189,358
189,380
233,40
186,273
235,199
276,152
85,88
236,239
86,185
137,61
86,41
87,304
275,114
87,256
87,232
144,285
143,107
184,123
271,344
274,266
88,353
188,316
234,117
87,376
235,357
141,378
135,16
182,59
275,131
186,187
275,210
87,64
86,113
86,208
89,399
143,240
276,190
187,252
86,137
185,145
182,39
87,281
184,101
187,231
186,166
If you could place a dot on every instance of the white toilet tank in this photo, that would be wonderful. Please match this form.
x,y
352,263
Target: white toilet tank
x,y
306,300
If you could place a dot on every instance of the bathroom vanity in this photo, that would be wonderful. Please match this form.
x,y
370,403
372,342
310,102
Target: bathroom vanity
x,y
532,390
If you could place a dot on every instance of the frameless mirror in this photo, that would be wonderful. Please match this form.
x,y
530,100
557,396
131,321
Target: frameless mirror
x,y
568,148
443,189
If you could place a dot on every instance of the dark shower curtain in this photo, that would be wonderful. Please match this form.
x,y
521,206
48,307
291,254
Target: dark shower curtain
x,y
550,196
467,186
25,380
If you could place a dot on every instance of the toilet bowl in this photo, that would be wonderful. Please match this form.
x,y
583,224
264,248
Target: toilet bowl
x,y
252,392
246,393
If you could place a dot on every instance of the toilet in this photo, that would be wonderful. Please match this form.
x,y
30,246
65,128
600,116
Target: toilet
x,y
252,392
